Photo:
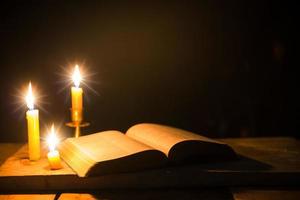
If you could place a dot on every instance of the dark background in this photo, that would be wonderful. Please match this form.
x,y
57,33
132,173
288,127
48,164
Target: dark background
x,y
223,69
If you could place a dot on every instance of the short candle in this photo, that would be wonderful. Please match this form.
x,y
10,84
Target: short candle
x,y
53,155
54,160
32,116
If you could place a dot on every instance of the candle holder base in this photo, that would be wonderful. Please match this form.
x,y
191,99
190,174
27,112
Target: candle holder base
x,y
77,127
73,124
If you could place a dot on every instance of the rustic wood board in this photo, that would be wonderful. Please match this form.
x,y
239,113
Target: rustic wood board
x,y
213,194
208,194
7,150
265,193
27,196
280,153
264,161
174,194
18,164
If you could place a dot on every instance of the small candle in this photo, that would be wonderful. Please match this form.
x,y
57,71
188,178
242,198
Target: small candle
x,y
54,160
32,116
53,155
76,93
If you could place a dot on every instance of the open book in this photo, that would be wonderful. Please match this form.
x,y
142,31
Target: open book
x,y
144,146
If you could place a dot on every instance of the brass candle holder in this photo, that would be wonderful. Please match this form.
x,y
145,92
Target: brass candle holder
x,y
77,123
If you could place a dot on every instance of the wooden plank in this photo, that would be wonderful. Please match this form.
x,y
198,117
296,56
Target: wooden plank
x,y
18,164
222,194
263,162
27,196
7,150
151,194
279,153
266,193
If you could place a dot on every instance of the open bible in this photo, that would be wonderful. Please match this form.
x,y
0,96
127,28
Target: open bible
x,y
143,146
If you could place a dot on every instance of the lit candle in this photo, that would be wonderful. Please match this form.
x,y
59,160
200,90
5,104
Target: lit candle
x,y
76,93
53,155
32,116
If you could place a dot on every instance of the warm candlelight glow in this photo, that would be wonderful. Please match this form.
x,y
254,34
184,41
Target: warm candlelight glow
x,y
53,155
76,77
30,98
52,139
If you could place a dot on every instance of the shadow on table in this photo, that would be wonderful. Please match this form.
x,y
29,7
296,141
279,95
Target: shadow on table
x,y
243,163
7,150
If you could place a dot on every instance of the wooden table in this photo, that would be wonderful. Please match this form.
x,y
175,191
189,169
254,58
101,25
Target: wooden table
x,y
269,168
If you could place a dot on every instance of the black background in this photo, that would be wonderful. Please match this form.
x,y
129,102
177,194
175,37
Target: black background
x,y
220,68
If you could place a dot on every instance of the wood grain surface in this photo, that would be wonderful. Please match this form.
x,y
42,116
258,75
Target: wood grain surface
x,y
263,162
207,194
27,196
18,164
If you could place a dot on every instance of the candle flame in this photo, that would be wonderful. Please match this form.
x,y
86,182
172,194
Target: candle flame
x,y
52,140
30,98
76,77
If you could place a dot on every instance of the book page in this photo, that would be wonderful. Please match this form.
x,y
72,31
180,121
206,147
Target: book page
x,y
108,145
177,144
108,152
